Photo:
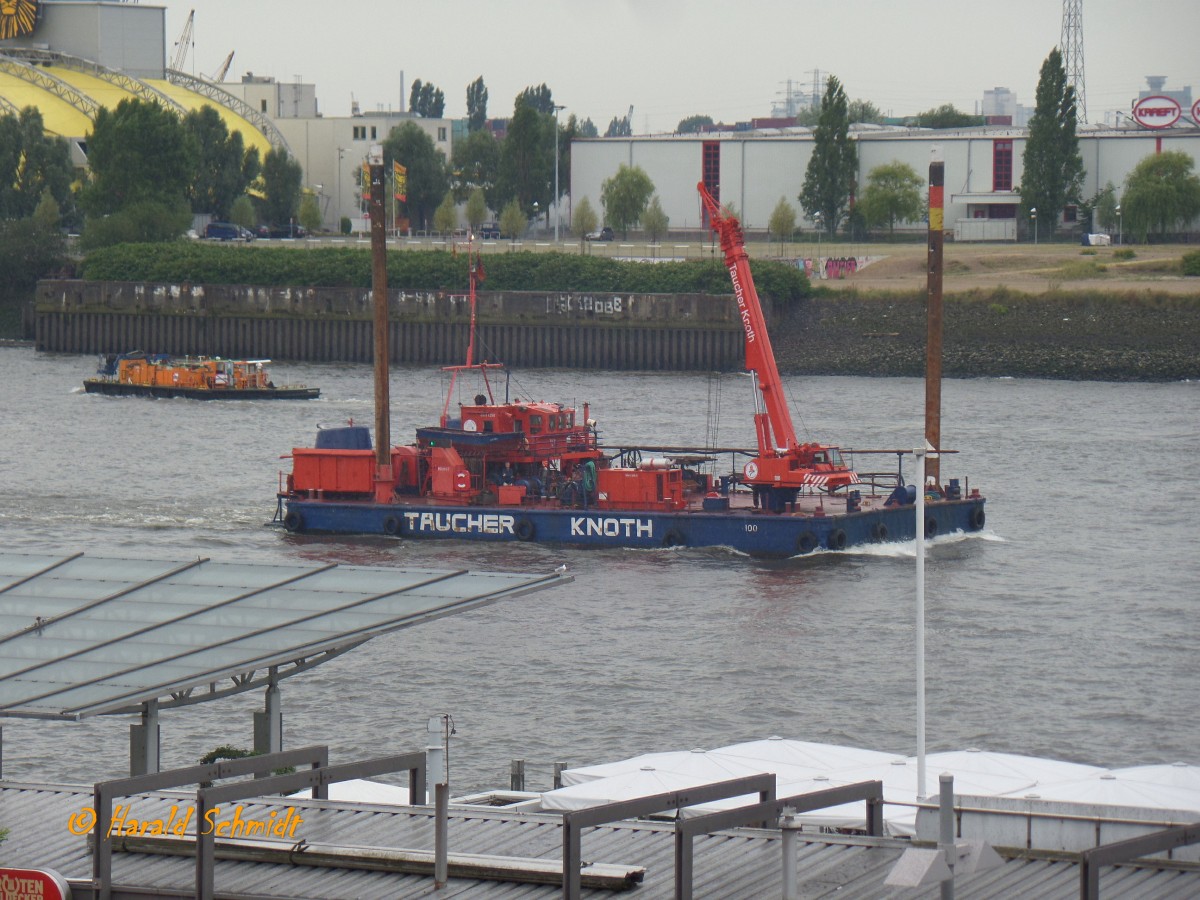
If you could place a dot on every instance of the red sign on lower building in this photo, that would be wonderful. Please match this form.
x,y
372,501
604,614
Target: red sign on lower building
x,y
35,884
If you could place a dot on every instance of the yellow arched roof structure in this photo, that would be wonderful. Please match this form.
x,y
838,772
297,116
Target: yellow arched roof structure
x,y
68,91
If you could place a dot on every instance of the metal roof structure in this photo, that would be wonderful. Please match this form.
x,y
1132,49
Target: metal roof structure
x,y
84,636
343,850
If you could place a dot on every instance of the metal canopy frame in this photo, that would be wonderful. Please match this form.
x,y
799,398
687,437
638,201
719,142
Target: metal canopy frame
x,y
82,636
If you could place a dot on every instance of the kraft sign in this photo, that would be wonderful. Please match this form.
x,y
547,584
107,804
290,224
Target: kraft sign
x,y
1156,112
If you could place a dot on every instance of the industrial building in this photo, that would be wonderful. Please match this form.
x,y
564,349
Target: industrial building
x,y
79,55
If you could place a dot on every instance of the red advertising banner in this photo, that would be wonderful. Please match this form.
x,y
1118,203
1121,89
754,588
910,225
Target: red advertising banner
x,y
42,884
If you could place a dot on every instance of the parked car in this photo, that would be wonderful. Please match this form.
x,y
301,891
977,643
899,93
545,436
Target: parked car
x,y
281,231
227,231
490,231
604,234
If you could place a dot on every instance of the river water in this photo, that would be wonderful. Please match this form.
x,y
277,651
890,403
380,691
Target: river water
x,y
1065,629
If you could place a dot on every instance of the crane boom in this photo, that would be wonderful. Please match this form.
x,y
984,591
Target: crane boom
x,y
783,466
776,432
185,41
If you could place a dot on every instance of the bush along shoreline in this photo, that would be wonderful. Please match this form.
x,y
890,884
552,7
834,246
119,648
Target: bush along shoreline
x,y
1092,336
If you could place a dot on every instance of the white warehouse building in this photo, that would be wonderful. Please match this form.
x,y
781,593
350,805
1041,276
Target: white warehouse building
x,y
754,170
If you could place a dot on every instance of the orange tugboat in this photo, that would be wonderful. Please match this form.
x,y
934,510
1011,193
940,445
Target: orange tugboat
x,y
139,374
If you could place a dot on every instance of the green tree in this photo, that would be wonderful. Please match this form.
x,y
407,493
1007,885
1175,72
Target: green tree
x,y
619,127
587,129
47,216
782,224
894,193
513,220
540,98
1162,195
864,111
28,252
475,163
138,152
428,179
224,168
693,124
655,220
946,116
310,212
1105,206
829,179
584,219
477,98
1053,166
477,209
243,213
445,217
527,159
32,163
624,197
426,100
139,222
281,177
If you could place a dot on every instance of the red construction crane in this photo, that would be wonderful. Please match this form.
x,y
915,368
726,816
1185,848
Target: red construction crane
x,y
782,462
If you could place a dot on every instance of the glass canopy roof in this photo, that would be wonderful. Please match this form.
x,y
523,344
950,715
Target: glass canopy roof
x,y
83,636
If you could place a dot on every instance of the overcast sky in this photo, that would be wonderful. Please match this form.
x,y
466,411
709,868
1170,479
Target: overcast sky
x,y
670,59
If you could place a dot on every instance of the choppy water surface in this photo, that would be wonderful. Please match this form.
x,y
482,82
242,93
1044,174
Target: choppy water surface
x,y
1066,629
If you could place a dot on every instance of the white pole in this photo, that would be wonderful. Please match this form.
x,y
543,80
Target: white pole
x,y
946,830
920,549
787,823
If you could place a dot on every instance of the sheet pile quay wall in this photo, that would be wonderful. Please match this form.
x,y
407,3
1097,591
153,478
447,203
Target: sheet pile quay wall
x,y
588,330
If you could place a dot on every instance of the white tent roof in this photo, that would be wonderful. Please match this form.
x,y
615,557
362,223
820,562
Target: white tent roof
x,y
1169,775
820,758
1112,789
804,767
643,782
986,762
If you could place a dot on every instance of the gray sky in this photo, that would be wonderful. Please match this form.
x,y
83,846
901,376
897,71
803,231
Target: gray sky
x,y
673,58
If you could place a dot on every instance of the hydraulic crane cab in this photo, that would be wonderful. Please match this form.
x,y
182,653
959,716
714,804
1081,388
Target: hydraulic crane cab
x,y
809,465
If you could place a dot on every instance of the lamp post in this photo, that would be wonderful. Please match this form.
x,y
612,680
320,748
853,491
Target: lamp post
x,y
1119,235
1033,216
556,216
341,153
819,222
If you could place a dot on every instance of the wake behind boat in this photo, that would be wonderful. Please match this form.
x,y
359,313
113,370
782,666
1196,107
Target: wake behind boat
x,y
139,374
520,470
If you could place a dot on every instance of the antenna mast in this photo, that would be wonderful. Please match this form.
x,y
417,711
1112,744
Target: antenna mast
x,y
1071,45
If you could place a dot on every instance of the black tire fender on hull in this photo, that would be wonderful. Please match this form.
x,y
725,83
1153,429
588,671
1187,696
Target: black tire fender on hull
x,y
978,518
806,543
836,540
525,530
673,539
391,526
293,522
931,526
879,532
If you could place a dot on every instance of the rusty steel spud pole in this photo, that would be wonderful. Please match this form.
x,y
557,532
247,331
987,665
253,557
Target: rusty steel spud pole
x,y
383,437
933,323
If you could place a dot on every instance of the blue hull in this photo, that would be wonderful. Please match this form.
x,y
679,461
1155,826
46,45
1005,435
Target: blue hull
x,y
754,532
